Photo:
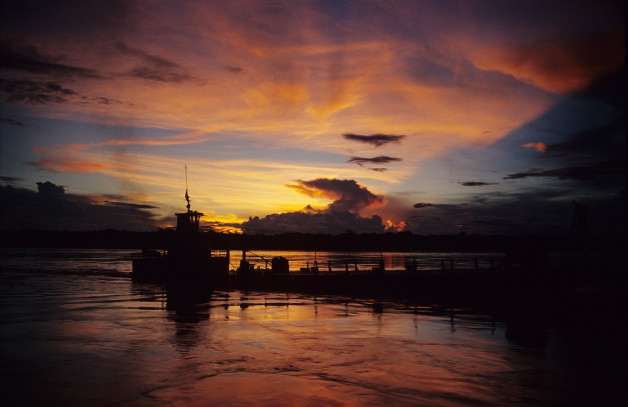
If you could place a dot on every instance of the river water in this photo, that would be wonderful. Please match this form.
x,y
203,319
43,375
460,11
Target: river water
x,y
77,331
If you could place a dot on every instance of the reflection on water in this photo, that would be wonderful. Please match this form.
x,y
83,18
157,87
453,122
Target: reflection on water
x,y
101,340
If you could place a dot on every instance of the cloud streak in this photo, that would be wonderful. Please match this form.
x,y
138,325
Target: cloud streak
x,y
44,93
153,68
476,183
29,59
613,168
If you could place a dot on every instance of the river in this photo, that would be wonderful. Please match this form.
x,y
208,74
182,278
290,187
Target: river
x,y
77,331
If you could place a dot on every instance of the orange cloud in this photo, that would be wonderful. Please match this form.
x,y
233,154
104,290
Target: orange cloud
x,y
537,146
558,64
66,164
390,226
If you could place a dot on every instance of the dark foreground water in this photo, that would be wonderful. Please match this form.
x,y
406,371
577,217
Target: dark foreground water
x,y
76,331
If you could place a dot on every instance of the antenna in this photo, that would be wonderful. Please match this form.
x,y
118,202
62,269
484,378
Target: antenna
x,y
187,196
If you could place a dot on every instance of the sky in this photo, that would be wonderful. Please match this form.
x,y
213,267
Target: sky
x,y
434,117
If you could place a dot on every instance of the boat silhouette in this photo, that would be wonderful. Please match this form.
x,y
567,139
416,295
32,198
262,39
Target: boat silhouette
x,y
188,260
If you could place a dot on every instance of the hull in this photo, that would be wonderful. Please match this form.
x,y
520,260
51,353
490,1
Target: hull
x,y
185,270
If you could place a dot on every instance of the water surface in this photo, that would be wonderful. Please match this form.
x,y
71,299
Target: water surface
x,y
76,331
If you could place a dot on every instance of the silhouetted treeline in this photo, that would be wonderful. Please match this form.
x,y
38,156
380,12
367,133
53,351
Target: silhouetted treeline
x,y
402,241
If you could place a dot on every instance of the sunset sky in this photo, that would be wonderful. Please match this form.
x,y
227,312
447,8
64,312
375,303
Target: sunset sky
x,y
314,116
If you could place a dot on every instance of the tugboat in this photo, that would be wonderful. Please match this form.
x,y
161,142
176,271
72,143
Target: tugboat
x,y
188,261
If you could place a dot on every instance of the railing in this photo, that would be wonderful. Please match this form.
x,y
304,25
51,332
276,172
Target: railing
x,y
202,229
220,253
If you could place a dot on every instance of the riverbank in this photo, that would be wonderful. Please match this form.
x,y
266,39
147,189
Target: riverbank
x,y
394,242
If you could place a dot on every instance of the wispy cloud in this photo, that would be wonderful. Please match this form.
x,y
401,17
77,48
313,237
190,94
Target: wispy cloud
x,y
12,122
30,59
69,164
48,93
131,205
615,168
10,180
153,68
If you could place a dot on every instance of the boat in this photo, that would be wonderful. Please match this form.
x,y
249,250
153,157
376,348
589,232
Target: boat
x,y
189,260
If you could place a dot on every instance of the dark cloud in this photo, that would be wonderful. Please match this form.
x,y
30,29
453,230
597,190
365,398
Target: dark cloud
x,y
153,68
234,69
33,63
422,205
341,215
611,168
10,180
157,75
51,208
591,158
130,205
38,92
604,141
530,211
149,59
379,169
439,206
375,139
12,122
348,195
382,159
476,183
33,92
330,222
584,161
30,60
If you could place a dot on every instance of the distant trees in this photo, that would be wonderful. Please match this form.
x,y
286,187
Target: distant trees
x,y
349,241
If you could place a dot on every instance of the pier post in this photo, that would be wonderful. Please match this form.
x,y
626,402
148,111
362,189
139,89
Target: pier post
x,y
475,260
442,264
346,268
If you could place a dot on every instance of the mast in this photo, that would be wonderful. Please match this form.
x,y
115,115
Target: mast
x,y
188,221
187,196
